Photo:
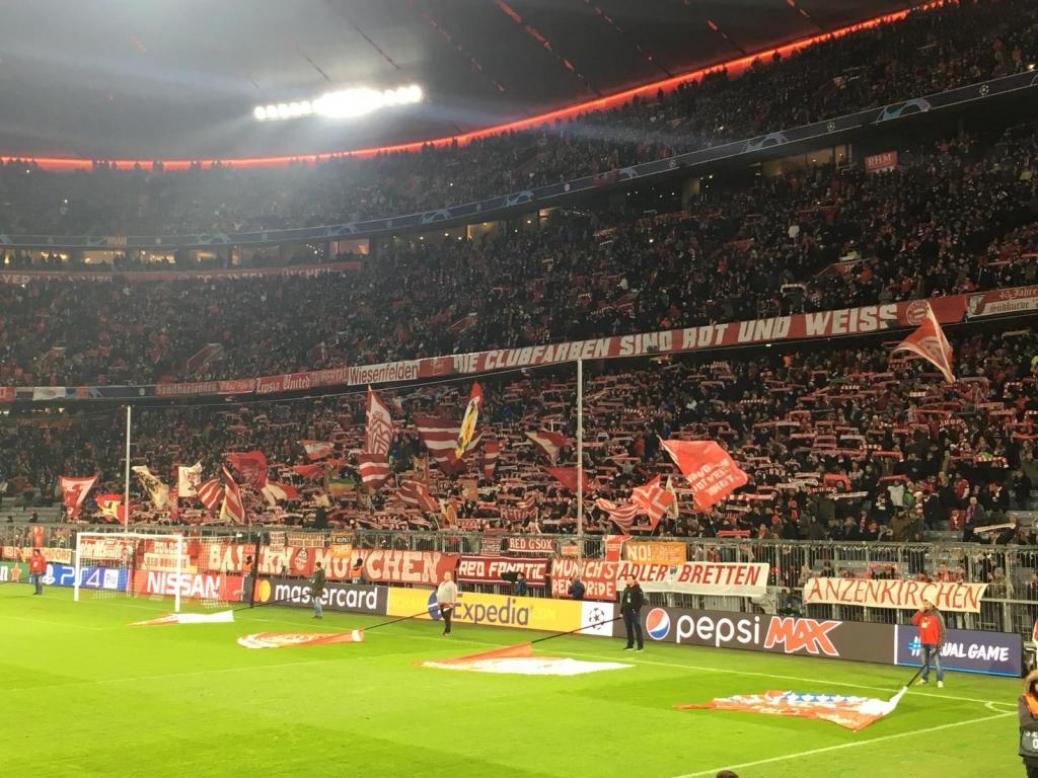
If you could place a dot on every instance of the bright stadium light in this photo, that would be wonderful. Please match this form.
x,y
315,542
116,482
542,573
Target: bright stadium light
x,y
343,104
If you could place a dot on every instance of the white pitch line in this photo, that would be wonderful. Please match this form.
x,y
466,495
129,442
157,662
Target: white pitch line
x,y
842,746
55,623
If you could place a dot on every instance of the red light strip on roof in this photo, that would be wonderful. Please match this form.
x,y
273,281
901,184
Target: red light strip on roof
x,y
733,66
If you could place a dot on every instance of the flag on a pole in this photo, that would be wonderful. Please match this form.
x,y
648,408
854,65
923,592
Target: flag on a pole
x,y
157,491
567,476
374,470
111,507
380,429
440,436
551,443
672,509
309,472
74,492
850,711
471,418
188,480
491,451
620,513
653,500
416,493
251,466
710,471
232,511
928,342
274,492
210,493
316,449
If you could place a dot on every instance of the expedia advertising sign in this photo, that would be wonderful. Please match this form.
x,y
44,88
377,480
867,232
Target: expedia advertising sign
x,y
966,650
777,634
338,596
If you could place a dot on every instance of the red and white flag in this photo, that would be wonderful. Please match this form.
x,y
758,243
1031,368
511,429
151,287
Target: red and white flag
x,y
622,514
374,470
440,436
467,431
232,511
928,342
309,472
251,466
111,507
210,493
188,480
567,476
491,451
653,500
274,492
417,494
551,443
74,492
710,471
316,449
380,428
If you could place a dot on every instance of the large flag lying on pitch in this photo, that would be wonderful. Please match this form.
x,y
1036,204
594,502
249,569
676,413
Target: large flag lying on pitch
x,y
467,430
928,342
380,429
551,443
710,471
74,493
849,711
440,436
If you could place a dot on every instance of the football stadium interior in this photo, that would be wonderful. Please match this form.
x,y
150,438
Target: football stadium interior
x,y
519,387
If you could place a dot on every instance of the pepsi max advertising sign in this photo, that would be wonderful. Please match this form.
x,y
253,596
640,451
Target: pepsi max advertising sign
x,y
777,634
966,650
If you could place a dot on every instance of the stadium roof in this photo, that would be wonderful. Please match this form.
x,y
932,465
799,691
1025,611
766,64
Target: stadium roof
x,y
173,79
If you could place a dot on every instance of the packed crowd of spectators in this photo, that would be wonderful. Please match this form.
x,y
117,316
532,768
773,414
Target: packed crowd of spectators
x,y
956,216
929,51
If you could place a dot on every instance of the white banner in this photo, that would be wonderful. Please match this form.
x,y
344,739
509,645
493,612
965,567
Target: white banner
x,y
896,593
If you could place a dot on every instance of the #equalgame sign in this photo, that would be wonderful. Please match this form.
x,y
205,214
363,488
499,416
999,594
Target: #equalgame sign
x,y
965,650
777,634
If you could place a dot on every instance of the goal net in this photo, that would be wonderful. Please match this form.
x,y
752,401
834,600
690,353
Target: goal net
x,y
160,567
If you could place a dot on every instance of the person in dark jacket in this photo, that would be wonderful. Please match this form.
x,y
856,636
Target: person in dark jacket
x,y
1027,712
576,589
632,600
317,590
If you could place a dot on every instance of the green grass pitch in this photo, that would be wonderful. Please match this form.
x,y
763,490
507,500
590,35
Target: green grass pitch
x,y
85,694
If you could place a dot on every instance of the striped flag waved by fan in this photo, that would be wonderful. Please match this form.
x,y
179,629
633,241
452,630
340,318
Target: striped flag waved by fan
x,y
416,494
380,429
652,500
551,443
232,511
620,513
374,470
440,437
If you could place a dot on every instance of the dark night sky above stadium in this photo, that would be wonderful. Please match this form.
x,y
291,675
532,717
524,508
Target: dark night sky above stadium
x,y
179,78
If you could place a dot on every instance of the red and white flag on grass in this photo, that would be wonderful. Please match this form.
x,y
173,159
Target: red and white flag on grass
x,y
74,492
232,511
467,430
380,429
551,443
710,471
928,342
417,494
316,449
491,451
374,470
653,500
440,437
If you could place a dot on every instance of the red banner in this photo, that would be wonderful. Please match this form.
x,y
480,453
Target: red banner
x,y
488,569
196,586
878,163
6,394
530,544
1002,301
739,579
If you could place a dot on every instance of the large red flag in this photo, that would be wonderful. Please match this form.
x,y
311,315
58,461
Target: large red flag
x,y
251,466
111,507
711,473
374,470
440,436
653,500
317,449
567,476
551,443
929,343
417,494
210,493
309,472
74,493
620,513
380,428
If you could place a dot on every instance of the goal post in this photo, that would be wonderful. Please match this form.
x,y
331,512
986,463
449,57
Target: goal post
x,y
110,563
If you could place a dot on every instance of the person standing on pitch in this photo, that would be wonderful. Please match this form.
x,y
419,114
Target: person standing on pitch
x,y
1027,712
447,599
317,590
931,638
37,569
631,602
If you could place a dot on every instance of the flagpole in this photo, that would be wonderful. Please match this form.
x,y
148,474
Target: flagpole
x,y
126,481
580,451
